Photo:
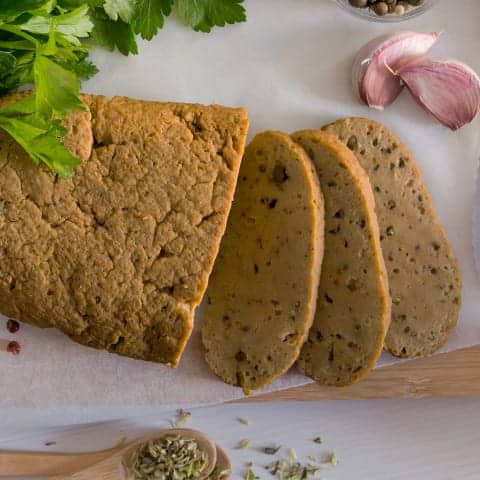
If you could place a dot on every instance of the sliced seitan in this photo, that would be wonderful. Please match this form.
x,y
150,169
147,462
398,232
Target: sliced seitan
x,y
353,307
119,256
262,293
424,275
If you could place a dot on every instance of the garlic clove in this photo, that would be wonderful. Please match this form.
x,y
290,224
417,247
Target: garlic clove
x,y
373,79
449,90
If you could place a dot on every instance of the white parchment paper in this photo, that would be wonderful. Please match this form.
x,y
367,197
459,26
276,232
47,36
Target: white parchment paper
x,y
290,66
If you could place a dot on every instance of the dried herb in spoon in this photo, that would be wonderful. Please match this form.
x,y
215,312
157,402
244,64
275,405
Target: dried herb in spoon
x,y
167,458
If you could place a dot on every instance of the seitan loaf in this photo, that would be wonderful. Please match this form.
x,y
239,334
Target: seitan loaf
x,y
353,307
118,256
424,275
262,293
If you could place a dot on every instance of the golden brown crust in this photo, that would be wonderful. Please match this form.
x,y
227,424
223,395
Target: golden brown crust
x,y
262,293
424,274
118,257
353,307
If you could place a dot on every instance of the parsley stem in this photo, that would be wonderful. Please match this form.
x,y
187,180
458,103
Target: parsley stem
x,y
17,45
19,32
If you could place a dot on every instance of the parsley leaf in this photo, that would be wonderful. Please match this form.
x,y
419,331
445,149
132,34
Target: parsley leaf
x,y
122,9
24,106
13,8
43,145
203,15
7,63
41,139
111,35
82,67
56,88
149,16
72,26
21,73
69,4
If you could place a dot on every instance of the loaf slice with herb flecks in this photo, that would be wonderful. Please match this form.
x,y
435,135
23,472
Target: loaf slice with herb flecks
x,y
353,307
262,292
424,275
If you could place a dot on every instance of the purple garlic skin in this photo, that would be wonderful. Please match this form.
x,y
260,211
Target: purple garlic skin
x,y
373,77
449,90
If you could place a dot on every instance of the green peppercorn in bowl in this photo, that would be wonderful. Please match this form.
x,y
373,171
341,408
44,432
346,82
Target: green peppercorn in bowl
x,y
386,10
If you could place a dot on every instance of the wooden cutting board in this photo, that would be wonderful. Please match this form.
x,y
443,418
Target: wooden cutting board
x,y
454,374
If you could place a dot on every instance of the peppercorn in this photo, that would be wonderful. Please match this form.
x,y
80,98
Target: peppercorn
x,y
380,8
13,347
13,326
384,7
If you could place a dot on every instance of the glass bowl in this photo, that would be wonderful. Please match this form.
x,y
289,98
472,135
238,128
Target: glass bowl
x,y
367,14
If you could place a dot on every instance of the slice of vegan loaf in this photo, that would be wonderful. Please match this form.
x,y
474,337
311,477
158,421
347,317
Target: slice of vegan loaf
x,y
262,292
118,256
353,306
424,275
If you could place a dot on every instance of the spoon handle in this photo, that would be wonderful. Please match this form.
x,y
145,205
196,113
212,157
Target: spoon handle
x,y
108,469
18,464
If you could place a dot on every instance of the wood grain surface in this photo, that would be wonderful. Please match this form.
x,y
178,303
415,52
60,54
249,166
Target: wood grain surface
x,y
454,374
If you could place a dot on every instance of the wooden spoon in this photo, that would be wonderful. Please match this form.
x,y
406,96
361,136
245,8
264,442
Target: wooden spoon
x,y
103,465
223,464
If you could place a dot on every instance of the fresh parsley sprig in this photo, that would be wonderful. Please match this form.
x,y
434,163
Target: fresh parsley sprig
x,y
41,45
44,44
118,21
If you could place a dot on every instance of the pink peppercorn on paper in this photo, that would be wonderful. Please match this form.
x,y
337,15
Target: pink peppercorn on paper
x,y
290,66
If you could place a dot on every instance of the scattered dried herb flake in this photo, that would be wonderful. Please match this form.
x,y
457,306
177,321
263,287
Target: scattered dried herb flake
x,y
331,460
271,450
290,468
249,473
242,444
182,417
